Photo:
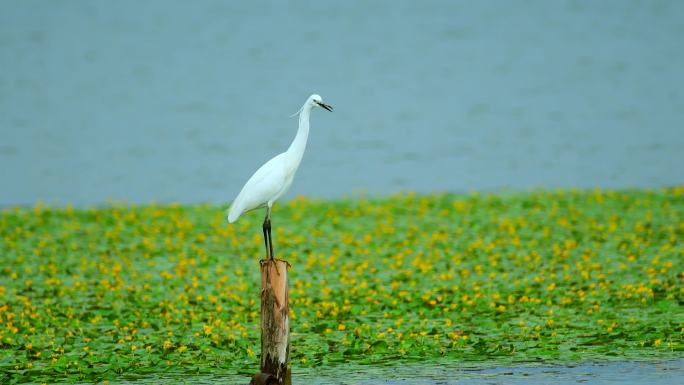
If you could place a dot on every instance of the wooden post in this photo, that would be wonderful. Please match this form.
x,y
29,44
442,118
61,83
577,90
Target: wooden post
x,y
275,320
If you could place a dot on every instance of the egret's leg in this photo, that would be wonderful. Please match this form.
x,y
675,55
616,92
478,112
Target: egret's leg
x,y
267,224
266,227
270,238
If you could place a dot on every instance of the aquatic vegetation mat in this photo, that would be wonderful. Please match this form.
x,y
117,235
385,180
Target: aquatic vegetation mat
x,y
95,294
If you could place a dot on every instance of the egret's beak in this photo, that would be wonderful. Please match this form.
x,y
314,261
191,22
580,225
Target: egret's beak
x,y
323,105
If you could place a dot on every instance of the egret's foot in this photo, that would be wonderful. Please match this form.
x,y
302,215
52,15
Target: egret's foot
x,y
274,261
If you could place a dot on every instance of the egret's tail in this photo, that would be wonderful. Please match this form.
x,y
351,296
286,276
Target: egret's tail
x,y
233,213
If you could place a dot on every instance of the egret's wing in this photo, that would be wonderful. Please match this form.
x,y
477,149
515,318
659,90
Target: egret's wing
x,y
261,187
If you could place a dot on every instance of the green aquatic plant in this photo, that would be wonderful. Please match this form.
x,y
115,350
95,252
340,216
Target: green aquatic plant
x,y
93,294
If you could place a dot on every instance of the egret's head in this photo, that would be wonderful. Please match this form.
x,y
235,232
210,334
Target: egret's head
x,y
316,100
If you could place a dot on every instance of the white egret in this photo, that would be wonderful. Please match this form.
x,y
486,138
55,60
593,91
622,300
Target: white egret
x,y
274,178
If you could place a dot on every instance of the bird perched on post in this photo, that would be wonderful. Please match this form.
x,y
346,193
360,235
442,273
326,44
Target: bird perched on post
x,y
274,178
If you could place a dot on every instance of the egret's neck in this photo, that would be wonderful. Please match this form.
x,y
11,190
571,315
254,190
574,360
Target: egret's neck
x,y
298,145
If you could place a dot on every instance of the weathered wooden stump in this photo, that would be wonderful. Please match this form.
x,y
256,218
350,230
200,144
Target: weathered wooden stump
x,y
264,379
275,320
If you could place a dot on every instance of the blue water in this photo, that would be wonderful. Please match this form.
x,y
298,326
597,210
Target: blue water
x,y
623,373
182,101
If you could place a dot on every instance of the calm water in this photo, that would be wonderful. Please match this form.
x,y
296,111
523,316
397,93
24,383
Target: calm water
x,y
623,373
182,101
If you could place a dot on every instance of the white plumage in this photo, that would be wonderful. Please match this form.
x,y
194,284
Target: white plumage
x,y
268,183
274,178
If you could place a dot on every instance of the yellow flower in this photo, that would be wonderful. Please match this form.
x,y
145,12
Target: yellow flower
x,y
341,327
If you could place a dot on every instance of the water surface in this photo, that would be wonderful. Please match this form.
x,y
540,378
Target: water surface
x,y
182,101
624,373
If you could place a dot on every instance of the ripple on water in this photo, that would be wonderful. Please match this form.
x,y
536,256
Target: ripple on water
x,y
625,373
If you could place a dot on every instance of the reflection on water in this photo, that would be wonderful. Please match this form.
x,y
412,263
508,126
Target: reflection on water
x,y
448,373
182,101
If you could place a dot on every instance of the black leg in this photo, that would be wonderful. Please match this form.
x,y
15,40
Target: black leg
x,y
267,235
270,244
266,227
270,238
